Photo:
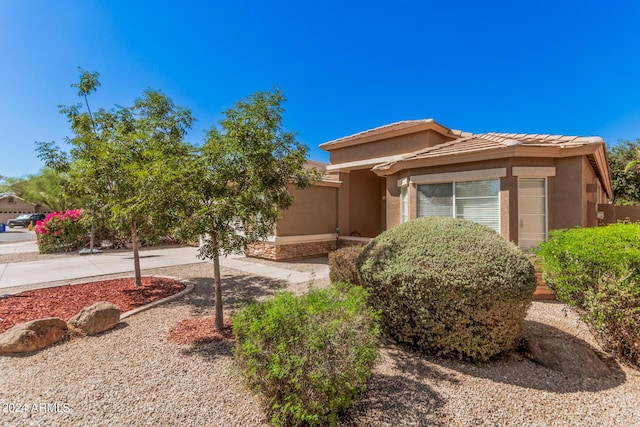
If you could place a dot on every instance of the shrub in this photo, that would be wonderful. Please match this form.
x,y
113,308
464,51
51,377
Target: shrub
x,y
62,232
342,265
307,356
597,271
451,287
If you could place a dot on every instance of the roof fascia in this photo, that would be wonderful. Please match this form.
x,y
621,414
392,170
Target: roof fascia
x,y
601,161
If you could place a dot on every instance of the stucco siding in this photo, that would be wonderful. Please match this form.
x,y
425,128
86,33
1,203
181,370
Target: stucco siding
x,y
565,194
313,212
388,147
366,203
344,204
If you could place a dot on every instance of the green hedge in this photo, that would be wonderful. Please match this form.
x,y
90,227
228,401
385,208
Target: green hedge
x,y
597,270
308,357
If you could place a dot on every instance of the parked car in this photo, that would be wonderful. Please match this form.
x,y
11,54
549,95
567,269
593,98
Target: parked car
x,y
24,220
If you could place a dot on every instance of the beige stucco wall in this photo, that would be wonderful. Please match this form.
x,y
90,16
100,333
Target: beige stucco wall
x,y
388,147
313,212
566,200
566,194
366,203
344,204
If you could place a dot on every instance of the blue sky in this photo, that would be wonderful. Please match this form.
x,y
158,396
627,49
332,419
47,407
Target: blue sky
x,y
561,67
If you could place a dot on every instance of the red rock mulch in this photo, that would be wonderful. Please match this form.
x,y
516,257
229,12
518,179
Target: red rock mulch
x,y
66,301
199,330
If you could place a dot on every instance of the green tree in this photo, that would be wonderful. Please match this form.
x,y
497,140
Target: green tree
x,y
49,188
241,178
84,146
12,185
126,164
146,154
625,176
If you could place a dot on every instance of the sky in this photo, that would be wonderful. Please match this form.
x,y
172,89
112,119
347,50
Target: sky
x,y
557,67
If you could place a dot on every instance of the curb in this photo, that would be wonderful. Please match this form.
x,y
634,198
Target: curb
x,y
188,289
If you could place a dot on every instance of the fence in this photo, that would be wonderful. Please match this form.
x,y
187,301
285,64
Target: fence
x,y
610,214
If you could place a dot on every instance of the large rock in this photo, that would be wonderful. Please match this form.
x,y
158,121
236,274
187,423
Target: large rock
x,y
97,318
33,335
565,355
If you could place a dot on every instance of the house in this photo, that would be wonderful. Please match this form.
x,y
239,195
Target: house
x,y
521,185
11,206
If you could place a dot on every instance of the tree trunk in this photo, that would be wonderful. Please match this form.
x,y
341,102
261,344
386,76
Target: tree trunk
x,y
219,323
92,238
136,255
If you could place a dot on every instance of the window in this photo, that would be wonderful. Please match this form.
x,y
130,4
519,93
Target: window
x,y
404,204
477,201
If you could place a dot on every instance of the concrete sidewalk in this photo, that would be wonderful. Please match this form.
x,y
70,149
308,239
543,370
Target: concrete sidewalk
x,y
77,267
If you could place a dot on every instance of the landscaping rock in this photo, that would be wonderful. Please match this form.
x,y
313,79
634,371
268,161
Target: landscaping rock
x,y
33,335
97,318
565,355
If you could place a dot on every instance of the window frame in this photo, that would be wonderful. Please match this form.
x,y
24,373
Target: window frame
x,y
404,204
453,198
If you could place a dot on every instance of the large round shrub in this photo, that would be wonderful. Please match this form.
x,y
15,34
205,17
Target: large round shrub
x,y
451,287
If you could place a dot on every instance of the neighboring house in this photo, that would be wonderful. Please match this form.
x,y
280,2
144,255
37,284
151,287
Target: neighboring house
x,y
11,206
521,185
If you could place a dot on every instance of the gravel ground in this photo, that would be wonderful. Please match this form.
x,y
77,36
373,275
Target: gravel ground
x,y
133,376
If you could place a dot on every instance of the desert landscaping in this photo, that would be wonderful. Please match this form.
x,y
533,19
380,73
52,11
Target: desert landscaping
x,y
134,375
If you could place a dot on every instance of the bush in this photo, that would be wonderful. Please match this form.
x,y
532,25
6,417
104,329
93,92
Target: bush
x,y
307,356
342,265
597,270
62,232
451,287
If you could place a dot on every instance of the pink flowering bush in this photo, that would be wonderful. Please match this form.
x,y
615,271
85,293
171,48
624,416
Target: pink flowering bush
x,y
62,232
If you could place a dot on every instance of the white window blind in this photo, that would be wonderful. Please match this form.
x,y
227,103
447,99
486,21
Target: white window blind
x,y
476,201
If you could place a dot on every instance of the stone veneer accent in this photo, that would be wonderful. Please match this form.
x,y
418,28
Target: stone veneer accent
x,y
282,251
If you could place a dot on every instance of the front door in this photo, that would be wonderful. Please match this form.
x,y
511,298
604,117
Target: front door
x,y
532,211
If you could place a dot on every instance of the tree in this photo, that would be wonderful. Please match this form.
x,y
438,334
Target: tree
x,y
49,188
240,180
625,176
87,139
126,163
146,154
